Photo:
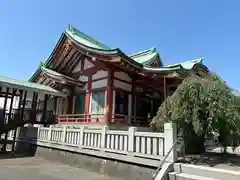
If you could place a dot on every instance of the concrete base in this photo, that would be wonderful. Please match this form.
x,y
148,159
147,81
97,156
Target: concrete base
x,y
95,164
194,171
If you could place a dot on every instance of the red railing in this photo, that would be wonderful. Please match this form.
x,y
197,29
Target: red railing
x,y
123,119
80,118
118,119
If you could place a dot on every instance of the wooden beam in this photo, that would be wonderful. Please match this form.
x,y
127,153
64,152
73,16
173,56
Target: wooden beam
x,y
76,63
63,57
66,60
96,62
58,58
91,70
90,54
58,52
71,60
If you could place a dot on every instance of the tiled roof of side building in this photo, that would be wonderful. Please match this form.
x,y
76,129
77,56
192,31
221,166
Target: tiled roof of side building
x,y
28,86
146,57
186,65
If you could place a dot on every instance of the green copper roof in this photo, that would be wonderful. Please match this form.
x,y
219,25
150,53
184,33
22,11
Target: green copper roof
x,y
85,39
28,86
143,57
187,65
146,57
141,60
58,76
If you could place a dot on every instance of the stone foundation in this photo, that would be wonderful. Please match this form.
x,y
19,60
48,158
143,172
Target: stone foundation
x,y
110,167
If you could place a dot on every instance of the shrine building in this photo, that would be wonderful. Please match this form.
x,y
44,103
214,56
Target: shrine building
x,y
105,85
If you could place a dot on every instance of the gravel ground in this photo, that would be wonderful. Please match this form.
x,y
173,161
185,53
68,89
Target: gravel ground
x,y
32,168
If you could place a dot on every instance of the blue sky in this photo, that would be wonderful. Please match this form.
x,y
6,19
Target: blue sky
x,y
181,30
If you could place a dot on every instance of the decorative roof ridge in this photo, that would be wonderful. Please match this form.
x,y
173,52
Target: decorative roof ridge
x,y
43,63
144,52
73,30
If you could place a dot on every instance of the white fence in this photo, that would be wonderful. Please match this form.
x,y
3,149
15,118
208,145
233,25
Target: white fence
x,y
133,143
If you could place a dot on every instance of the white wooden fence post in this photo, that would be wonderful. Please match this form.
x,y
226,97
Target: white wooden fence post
x,y
38,132
131,139
170,133
104,137
81,134
64,132
49,133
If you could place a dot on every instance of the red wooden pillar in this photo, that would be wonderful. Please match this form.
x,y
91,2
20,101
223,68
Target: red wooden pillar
x,y
133,113
70,102
109,99
87,99
165,88
44,115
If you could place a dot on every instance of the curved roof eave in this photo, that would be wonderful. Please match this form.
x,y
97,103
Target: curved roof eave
x,y
152,59
162,69
146,56
113,52
93,49
202,66
52,73
49,59
178,67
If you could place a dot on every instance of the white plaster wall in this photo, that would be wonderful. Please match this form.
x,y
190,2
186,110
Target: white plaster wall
x,y
122,85
123,76
78,67
99,84
41,97
29,96
59,106
100,74
87,64
62,105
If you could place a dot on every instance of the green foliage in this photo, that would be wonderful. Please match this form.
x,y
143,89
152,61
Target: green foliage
x,y
202,105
